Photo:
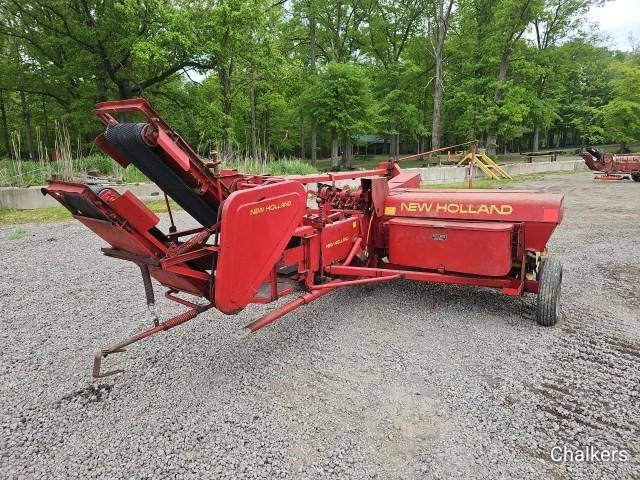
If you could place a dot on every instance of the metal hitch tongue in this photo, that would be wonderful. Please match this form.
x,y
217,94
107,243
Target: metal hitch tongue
x,y
190,314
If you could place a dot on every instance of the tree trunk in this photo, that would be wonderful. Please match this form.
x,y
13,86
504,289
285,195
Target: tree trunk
x,y
438,89
5,126
267,133
536,138
124,92
397,143
46,122
441,27
314,143
26,118
312,65
225,83
502,79
349,153
334,149
312,43
254,142
392,146
124,85
301,137
437,102
101,87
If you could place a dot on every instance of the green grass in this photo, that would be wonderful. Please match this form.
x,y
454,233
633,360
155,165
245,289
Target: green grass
x,y
487,183
40,215
158,206
61,214
17,235
274,167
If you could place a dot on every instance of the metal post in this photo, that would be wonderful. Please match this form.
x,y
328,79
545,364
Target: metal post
x,y
474,150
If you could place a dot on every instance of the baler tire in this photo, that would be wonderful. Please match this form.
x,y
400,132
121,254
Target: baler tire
x,y
549,291
635,177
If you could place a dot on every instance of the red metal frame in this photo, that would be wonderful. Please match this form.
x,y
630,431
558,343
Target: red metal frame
x,y
613,166
267,239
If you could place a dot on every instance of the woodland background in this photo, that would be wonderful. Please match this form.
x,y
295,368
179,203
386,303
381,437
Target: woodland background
x,y
267,80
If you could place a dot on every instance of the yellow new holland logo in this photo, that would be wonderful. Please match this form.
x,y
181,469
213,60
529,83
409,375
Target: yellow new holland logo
x,y
340,241
272,207
462,208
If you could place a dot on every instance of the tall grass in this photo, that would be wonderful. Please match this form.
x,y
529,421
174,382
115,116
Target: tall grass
x,y
16,161
285,166
19,173
73,166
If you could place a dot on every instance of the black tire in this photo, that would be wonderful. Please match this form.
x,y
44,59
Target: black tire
x,y
635,177
549,290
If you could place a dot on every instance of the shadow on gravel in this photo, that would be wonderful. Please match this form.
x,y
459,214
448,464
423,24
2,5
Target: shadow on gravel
x,y
91,394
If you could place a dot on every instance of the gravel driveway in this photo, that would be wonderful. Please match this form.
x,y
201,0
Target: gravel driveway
x,y
397,380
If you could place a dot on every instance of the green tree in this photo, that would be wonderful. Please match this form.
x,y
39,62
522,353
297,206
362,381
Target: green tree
x,y
126,44
621,116
554,23
440,19
586,90
391,27
340,99
231,33
511,19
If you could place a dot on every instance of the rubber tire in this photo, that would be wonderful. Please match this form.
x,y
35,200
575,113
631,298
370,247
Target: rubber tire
x,y
549,291
635,177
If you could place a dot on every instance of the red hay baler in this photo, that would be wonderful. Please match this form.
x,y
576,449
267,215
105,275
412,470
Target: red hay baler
x,y
613,166
258,240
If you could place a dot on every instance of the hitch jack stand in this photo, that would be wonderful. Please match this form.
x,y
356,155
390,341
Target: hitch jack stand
x,y
148,291
190,314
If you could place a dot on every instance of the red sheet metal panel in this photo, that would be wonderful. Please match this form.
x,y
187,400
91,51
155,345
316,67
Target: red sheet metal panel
x,y
405,180
119,238
256,226
172,148
540,212
130,207
480,248
337,239
497,205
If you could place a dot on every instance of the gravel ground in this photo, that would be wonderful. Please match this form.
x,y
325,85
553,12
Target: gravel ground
x,y
398,380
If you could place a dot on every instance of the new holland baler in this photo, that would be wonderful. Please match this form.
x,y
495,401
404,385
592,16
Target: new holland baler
x,y
258,240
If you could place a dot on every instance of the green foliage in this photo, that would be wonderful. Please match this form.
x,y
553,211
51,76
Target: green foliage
x,y
290,167
231,74
621,116
339,98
